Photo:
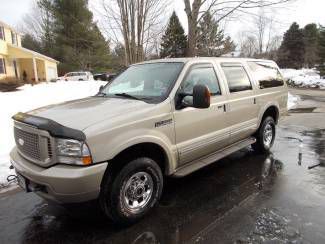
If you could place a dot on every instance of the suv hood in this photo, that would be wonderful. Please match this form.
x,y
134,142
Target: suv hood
x,y
82,113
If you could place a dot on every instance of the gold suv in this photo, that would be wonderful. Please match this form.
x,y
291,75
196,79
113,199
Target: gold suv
x,y
160,118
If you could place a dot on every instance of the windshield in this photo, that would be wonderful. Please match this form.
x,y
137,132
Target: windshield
x,y
147,82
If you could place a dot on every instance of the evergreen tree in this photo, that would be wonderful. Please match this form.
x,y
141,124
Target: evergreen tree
x,y
311,45
321,51
80,44
46,25
118,58
211,41
228,45
292,50
174,41
29,42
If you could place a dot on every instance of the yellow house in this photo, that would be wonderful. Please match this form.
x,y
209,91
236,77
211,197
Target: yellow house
x,y
19,62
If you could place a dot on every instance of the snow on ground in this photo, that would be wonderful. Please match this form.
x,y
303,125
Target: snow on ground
x,y
30,97
292,100
307,78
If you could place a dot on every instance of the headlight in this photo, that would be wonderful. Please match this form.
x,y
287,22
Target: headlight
x,y
71,151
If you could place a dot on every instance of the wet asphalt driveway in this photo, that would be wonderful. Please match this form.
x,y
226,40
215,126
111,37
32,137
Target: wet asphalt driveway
x,y
244,198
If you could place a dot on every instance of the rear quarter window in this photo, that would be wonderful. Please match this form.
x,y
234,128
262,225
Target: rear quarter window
x,y
267,74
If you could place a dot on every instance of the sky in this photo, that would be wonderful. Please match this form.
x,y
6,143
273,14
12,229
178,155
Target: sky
x,y
301,11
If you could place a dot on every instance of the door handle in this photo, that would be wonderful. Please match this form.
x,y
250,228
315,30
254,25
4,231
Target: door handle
x,y
222,107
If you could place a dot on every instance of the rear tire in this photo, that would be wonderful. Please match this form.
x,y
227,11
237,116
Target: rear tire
x,y
133,192
265,136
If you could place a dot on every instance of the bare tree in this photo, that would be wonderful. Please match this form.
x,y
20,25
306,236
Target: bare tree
x,y
136,22
248,46
261,39
221,8
31,23
39,23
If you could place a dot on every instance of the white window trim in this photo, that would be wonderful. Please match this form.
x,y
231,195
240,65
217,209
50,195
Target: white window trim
x,y
14,38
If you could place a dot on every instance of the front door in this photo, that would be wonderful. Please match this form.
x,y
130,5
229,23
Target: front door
x,y
242,110
200,132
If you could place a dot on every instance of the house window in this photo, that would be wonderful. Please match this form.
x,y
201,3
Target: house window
x,y
14,38
2,66
2,33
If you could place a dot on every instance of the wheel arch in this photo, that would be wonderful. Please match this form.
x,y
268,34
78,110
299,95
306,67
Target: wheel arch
x,y
153,150
271,110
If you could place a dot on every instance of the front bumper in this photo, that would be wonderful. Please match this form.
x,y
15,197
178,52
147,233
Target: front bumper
x,y
62,183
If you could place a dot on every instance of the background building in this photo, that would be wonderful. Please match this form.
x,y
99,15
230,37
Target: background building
x,y
21,63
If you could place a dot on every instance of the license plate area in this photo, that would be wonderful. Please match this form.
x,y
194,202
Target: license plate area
x,y
23,182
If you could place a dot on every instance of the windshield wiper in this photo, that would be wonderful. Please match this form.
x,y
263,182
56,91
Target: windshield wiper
x,y
101,94
126,95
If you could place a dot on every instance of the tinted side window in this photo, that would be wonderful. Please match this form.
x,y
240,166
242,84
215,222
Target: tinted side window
x,y
201,75
237,78
267,74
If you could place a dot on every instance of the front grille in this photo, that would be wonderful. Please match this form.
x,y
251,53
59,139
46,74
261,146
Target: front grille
x,y
28,143
49,148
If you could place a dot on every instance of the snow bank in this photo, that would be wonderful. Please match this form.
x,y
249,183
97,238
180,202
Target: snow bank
x,y
29,97
307,78
292,100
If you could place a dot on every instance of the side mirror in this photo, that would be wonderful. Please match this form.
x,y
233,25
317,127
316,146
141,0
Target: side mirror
x,y
200,98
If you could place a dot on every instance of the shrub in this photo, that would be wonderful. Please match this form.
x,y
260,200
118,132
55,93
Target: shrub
x,y
8,84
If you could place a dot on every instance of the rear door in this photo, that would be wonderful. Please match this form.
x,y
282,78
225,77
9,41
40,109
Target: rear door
x,y
242,108
200,132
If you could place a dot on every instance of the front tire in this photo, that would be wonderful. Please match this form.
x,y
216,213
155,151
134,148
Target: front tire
x,y
265,136
133,192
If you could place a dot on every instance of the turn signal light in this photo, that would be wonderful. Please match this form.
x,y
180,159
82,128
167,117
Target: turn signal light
x,y
86,160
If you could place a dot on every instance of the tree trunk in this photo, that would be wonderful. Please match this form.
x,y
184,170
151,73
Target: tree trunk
x,y
192,13
192,38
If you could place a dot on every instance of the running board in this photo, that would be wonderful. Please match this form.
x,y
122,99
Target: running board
x,y
202,162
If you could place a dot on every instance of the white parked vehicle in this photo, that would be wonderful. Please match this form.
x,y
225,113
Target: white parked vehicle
x,y
78,76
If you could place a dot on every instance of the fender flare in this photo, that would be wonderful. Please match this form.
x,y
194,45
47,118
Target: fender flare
x,y
266,107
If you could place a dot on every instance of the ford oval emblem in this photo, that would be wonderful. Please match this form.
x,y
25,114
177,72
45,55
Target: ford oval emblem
x,y
21,142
